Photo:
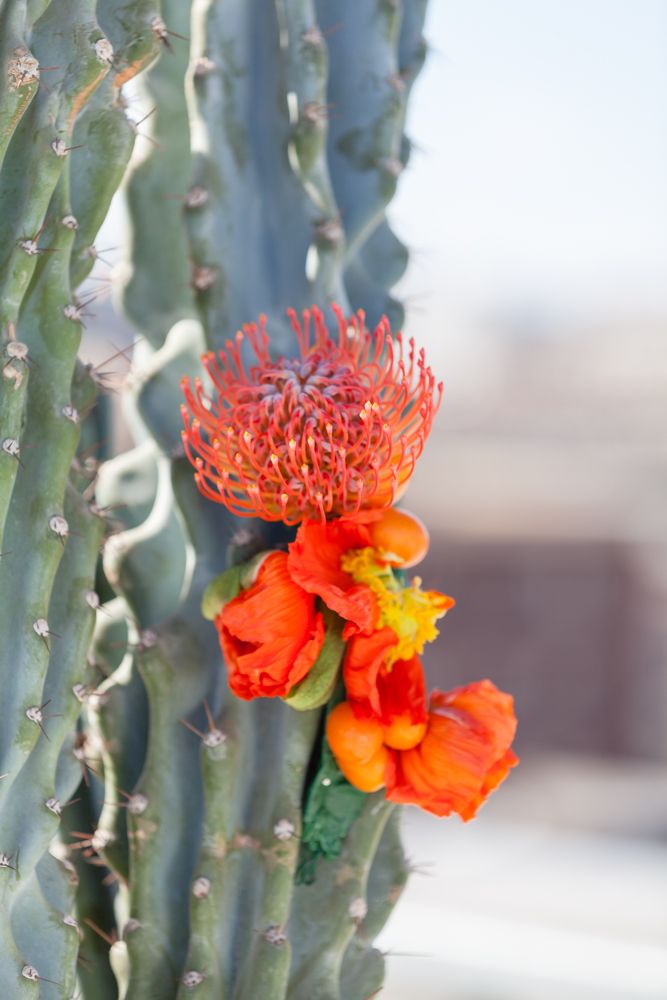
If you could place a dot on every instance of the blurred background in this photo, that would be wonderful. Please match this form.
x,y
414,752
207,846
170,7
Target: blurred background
x,y
535,207
537,213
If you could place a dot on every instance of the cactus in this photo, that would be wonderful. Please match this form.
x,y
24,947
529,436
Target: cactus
x,y
191,860
55,163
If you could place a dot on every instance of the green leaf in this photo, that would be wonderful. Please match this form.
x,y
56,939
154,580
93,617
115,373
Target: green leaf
x,y
228,585
221,591
331,809
318,686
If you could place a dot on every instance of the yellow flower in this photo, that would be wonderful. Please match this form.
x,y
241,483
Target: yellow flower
x,y
409,611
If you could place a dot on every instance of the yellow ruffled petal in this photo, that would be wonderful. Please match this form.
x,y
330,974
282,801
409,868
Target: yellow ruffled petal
x,y
409,611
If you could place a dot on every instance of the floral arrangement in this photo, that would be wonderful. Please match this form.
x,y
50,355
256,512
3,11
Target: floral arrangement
x,y
327,441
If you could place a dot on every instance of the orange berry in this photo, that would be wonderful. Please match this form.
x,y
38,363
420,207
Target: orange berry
x,y
352,740
400,538
402,734
369,775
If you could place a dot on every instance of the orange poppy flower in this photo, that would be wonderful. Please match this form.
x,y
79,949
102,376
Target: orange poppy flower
x,y
364,658
314,563
464,754
381,689
402,691
270,634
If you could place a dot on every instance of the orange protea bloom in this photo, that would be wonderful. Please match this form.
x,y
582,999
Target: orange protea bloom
x,y
270,634
464,754
314,563
335,430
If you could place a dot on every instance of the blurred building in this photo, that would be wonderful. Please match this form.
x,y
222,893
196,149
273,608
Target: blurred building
x,y
545,489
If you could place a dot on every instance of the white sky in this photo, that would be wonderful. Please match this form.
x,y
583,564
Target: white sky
x,y
542,182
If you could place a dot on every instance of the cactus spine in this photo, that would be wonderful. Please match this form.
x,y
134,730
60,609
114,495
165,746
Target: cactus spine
x,y
195,800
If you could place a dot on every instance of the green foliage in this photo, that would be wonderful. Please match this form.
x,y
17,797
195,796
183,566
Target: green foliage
x,y
220,591
318,686
331,808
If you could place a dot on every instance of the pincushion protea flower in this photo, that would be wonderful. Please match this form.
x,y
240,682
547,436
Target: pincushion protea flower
x,y
325,434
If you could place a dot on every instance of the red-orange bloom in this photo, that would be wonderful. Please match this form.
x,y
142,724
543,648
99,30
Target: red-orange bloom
x,y
314,563
402,692
377,690
337,429
464,755
270,634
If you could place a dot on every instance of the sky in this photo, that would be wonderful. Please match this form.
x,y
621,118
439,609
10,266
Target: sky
x,y
539,181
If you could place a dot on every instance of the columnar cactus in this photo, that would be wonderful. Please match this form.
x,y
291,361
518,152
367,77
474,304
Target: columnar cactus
x,y
57,93
219,845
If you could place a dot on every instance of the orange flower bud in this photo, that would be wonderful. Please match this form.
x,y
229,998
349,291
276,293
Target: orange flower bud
x,y
350,738
369,775
403,734
399,537
357,745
